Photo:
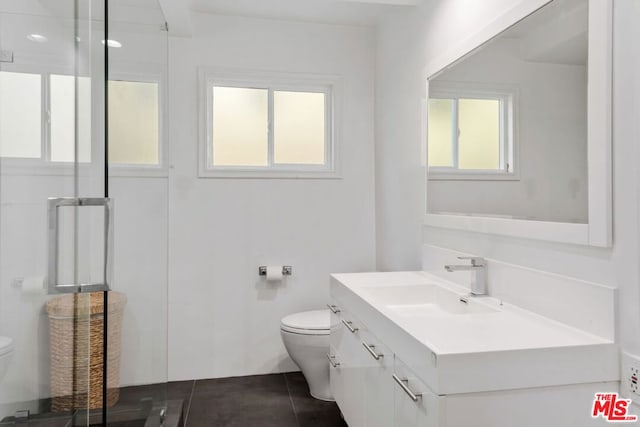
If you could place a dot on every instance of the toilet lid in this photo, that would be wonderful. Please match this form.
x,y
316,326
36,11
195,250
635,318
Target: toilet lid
x,y
6,345
315,322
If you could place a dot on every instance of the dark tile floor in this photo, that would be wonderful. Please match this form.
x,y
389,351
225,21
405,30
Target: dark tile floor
x,y
277,400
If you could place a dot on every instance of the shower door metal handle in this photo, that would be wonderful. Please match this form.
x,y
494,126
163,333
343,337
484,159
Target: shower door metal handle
x,y
54,204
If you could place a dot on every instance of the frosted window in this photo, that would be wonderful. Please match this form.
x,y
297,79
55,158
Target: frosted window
x,y
470,133
240,126
440,132
64,118
299,127
20,115
479,138
134,132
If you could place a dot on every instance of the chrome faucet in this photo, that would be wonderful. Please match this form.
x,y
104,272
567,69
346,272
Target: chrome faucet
x,y
478,268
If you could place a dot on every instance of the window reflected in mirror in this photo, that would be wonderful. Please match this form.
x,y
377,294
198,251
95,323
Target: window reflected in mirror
x,y
470,134
507,123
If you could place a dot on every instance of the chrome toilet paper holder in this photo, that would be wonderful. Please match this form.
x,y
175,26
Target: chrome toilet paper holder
x,y
286,270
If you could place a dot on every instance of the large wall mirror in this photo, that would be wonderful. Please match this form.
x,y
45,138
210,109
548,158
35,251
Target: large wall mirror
x,y
518,127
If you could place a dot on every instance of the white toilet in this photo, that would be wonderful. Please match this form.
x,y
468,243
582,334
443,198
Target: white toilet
x,y
306,338
6,353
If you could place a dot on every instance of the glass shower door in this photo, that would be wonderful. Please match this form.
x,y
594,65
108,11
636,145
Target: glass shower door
x,y
139,185
55,222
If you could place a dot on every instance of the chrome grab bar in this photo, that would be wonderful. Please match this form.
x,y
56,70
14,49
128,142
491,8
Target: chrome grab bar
x,y
348,324
332,360
372,352
334,308
405,387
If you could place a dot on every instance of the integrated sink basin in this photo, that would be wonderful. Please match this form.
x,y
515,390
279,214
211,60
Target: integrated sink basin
x,y
459,343
425,300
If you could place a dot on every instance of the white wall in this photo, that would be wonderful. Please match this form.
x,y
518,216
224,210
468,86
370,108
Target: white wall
x,y
400,195
406,45
224,319
550,135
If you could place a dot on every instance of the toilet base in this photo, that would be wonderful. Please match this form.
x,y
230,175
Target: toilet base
x,y
309,352
324,399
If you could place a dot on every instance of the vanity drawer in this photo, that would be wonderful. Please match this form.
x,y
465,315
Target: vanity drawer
x,y
344,326
377,365
347,377
336,375
415,405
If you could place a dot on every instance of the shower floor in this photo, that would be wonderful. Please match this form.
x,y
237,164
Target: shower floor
x,y
276,400
139,406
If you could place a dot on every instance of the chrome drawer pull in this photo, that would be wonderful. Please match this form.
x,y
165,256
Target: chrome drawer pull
x,y
332,360
349,326
372,352
334,308
405,387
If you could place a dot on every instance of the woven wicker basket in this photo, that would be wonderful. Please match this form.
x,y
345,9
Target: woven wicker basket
x,y
76,344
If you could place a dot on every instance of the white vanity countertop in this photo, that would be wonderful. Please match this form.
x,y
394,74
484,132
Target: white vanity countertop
x,y
507,328
498,344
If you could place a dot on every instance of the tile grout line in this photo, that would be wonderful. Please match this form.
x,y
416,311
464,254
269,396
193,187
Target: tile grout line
x,y
186,416
293,406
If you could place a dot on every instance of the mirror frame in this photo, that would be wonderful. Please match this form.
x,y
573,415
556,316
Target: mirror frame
x,y
599,230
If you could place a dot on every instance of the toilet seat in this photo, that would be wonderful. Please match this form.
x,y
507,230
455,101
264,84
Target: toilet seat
x,y
315,322
6,345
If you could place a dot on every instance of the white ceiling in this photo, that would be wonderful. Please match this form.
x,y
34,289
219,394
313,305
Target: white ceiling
x,y
557,33
353,12
178,12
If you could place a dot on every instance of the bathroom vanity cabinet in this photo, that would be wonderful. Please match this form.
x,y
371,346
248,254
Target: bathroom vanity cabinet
x,y
402,363
363,371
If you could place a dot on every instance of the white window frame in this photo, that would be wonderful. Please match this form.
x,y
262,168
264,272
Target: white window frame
x,y
43,165
329,85
508,96
135,169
